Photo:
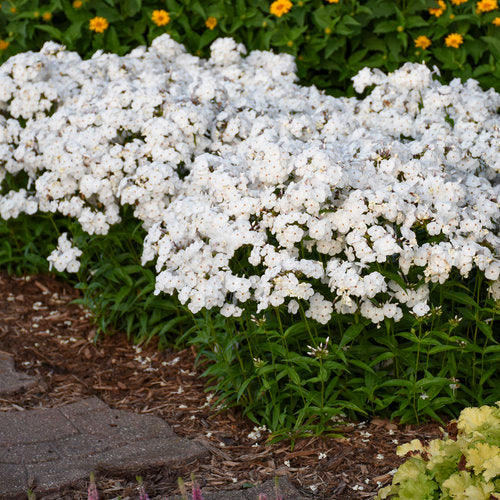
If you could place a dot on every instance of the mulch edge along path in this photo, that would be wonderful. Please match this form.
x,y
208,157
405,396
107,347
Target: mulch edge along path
x,y
54,341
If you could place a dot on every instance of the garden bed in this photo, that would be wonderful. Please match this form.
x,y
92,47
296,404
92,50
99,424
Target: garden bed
x,y
52,338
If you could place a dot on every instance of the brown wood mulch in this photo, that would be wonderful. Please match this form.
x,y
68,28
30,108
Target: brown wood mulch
x,y
54,339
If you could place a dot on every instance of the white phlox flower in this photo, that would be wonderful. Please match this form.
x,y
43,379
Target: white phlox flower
x,y
252,188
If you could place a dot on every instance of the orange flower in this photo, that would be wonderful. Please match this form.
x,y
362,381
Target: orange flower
x,y
422,42
211,23
280,7
98,24
160,17
13,10
3,44
458,2
438,11
333,1
47,16
77,4
454,40
486,6
496,21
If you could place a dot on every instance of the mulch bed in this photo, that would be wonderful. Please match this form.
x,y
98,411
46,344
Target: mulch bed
x,y
54,339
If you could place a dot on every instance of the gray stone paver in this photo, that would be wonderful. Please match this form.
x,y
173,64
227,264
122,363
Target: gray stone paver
x,y
25,454
13,480
50,449
12,381
55,447
34,426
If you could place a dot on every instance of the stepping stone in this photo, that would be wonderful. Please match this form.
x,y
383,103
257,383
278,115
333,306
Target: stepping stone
x,y
12,381
54,448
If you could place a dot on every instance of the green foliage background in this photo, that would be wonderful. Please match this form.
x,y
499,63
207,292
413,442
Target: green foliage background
x,y
332,41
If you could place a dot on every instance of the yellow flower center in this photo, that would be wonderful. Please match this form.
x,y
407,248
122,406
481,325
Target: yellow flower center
x,y
211,23
98,24
454,40
280,7
160,17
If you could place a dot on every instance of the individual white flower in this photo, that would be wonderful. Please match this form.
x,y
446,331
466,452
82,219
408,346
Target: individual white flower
x,y
421,309
65,256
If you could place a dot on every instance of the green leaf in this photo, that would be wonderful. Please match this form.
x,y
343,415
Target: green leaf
x,y
480,70
460,297
322,18
51,30
415,22
243,387
362,364
493,44
112,41
73,33
386,27
487,374
351,333
443,348
394,45
207,38
486,329
343,29
198,8
131,7
110,14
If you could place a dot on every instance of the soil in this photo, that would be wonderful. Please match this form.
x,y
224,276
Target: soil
x,y
54,339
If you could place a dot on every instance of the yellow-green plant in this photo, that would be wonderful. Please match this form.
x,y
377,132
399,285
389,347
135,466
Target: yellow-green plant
x,y
461,467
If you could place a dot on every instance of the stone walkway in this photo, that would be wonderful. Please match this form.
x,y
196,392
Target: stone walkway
x,y
49,449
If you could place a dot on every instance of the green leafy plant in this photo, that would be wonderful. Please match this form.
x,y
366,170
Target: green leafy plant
x,y
296,376
456,467
332,40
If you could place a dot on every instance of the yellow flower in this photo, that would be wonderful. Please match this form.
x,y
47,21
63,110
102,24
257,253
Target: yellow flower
x,y
333,1
36,14
438,11
211,23
13,10
47,16
458,2
160,17
496,21
77,4
98,24
422,42
454,40
3,44
486,6
280,7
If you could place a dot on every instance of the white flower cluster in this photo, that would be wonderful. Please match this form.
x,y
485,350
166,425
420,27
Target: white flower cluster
x,y
65,256
228,155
